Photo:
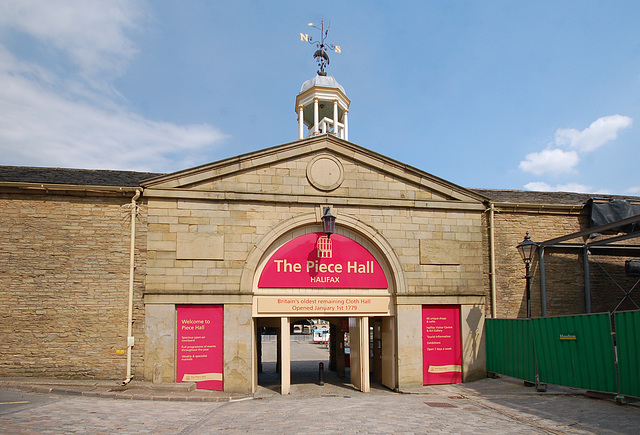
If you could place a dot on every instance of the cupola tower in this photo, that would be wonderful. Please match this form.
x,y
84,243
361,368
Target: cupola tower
x,y
323,107
322,104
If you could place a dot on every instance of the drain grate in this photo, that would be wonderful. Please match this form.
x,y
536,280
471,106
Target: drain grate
x,y
440,405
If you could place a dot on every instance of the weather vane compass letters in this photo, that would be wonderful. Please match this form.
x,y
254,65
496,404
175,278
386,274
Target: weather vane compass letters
x,y
321,55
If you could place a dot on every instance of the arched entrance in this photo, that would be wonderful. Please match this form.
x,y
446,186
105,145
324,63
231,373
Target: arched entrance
x,y
352,356
345,279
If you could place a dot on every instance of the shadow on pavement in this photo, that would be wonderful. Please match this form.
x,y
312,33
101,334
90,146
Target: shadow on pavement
x,y
306,357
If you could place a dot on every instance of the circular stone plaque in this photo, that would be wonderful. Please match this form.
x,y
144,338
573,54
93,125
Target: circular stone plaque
x,y
325,172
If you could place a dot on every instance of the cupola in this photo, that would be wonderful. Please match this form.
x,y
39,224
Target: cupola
x,y
322,104
323,107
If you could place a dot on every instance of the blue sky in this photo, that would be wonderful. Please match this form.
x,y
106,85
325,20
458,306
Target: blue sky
x,y
537,95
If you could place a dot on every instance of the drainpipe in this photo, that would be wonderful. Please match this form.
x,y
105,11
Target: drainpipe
x,y
132,267
543,282
587,282
492,260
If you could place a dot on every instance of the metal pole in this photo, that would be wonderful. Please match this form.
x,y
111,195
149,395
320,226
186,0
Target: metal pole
x,y
492,262
543,284
528,278
587,282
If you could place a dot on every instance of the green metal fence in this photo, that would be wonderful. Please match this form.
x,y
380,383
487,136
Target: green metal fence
x,y
575,351
510,348
628,347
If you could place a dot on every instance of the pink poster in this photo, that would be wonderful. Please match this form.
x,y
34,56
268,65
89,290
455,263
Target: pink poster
x,y
316,261
200,345
441,344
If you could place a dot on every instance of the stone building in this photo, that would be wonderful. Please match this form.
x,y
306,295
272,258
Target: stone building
x,y
413,266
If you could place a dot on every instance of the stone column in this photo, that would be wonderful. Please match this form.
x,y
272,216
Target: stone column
x,y
316,116
335,118
301,122
346,124
237,357
285,357
364,354
409,345
359,333
160,327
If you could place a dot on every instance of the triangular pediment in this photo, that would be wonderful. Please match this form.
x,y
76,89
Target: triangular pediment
x,y
323,166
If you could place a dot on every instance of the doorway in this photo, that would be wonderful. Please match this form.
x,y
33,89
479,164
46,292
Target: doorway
x,y
353,352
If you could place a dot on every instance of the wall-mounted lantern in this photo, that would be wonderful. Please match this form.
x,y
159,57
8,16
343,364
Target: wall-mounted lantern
x,y
328,222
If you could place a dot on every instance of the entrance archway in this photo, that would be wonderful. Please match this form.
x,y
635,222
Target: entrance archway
x,y
365,357
300,273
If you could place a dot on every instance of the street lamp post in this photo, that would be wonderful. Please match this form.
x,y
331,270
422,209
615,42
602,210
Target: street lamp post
x,y
527,248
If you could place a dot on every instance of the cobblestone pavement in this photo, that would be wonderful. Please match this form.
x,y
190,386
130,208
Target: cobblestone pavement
x,y
453,409
488,406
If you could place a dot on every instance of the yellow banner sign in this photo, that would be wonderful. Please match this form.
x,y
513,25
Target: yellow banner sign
x,y
324,305
199,377
445,368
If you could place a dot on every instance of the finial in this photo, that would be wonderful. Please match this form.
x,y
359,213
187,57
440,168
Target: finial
x,y
321,56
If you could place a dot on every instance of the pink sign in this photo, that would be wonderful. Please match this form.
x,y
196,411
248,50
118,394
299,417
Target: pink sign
x,y
200,345
315,261
441,348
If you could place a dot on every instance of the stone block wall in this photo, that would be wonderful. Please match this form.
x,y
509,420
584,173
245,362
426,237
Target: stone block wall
x,y
289,177
208,228
240,225
440,250
564,270
64,280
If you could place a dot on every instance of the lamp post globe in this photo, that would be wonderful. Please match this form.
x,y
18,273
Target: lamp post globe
x,y
527,248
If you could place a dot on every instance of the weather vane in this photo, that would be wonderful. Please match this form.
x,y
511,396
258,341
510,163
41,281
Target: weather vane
x,y
321,55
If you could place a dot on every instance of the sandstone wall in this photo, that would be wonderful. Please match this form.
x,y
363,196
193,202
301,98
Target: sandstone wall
x,y
563,269
202,240
64,279
440,251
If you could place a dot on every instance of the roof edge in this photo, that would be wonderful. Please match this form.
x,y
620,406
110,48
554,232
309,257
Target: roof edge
x,y
240,162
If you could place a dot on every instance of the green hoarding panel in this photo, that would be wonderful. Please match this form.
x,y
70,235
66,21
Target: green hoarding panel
x,y
510,348
576,351
628,346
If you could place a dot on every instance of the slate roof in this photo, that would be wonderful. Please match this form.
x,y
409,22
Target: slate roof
x,y
94,177
530,197
80,177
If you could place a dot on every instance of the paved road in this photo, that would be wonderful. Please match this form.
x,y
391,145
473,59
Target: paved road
x,y
451,411
487,406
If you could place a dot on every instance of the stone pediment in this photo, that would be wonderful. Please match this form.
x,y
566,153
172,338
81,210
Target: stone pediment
x,y
323,169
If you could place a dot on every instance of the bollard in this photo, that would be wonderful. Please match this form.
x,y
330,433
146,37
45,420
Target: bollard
x,y
321,373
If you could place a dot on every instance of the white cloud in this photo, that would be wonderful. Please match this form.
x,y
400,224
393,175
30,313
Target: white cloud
x,y
574,187
91,33
601,131
633,190
557,160
70,118
550,161
41,128
540,186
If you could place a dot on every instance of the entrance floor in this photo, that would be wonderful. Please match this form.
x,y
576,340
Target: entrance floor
x,y
305,357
